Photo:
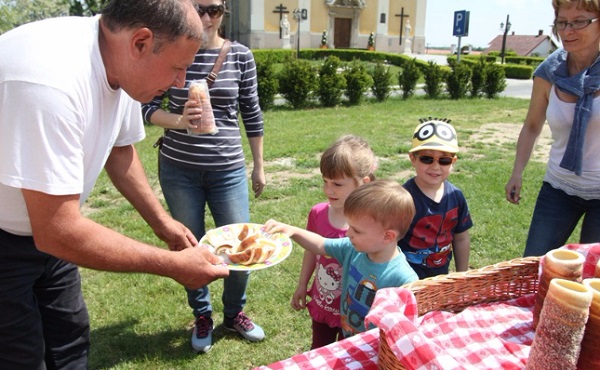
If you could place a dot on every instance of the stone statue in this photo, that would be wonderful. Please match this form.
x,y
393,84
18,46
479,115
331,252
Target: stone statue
x,y
285,27
285,32
407,38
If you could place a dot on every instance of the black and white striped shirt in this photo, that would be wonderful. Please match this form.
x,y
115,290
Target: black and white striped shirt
x,y
234,90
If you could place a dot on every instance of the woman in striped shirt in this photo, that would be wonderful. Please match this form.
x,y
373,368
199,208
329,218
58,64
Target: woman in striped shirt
x,y
200,170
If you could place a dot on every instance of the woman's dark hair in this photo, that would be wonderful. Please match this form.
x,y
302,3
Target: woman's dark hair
x,y
167,19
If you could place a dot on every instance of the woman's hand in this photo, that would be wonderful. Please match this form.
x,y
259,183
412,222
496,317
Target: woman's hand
x,y
258,181
192,112
513,189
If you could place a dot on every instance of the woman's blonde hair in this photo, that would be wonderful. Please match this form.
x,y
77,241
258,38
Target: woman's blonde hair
x,y
592,6
349,156
386,202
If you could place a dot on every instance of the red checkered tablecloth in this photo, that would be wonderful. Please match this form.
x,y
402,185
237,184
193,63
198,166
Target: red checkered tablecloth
x,y
356,352
485,336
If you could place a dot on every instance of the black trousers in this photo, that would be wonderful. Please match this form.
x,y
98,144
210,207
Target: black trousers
x,y
44,322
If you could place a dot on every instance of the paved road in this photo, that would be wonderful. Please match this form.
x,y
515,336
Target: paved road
x,y
518,88
514,88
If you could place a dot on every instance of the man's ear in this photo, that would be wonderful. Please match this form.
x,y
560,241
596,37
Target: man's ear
x,y
142,42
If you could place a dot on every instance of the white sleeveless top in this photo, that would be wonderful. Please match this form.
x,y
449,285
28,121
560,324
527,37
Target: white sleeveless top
x,y
559,115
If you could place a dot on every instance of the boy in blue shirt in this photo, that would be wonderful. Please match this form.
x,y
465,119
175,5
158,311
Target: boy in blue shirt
x,y
378,215
440,227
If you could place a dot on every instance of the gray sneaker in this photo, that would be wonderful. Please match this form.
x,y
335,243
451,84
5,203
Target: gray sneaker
x,y
202,334
243,325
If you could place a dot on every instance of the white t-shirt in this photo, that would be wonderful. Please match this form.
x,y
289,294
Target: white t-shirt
x,y
59,118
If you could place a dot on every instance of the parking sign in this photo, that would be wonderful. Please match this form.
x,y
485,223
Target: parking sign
x,y
461,23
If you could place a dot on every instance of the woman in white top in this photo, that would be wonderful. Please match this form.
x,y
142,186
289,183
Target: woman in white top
x,y
566,93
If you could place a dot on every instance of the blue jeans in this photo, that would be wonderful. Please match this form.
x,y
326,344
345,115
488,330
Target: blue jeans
x,y
187,193
44,321
556,215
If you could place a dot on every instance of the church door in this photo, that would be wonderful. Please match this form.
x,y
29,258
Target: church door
x,y
342,30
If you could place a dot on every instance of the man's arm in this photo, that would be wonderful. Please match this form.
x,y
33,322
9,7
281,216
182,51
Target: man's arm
x,y
60,230
127,174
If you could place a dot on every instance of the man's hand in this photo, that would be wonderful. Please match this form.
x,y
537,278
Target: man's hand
x,y
199,267
176,235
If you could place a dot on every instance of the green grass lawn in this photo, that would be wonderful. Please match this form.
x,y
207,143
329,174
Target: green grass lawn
x,y
143,322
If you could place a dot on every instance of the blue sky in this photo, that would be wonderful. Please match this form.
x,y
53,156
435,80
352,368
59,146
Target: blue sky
x,y
526,18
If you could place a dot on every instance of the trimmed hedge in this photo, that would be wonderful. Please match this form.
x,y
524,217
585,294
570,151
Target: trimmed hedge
x,y
299,82
518,72
530,61
513,71
348,55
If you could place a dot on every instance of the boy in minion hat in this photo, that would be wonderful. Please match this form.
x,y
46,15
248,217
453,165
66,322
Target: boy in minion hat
x,y
440,228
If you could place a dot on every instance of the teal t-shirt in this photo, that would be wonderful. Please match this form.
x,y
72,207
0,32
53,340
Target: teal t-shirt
x,y
361,278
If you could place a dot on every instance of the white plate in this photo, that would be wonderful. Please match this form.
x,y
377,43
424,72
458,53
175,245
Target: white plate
x,y
228,234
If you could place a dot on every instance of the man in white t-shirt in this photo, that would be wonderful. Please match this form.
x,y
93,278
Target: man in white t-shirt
x,y
66,112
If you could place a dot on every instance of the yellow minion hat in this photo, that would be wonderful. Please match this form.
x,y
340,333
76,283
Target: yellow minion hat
x,y
435,134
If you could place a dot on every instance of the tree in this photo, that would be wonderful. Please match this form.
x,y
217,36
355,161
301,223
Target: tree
x,y
85,7
331,84
14,13
408,76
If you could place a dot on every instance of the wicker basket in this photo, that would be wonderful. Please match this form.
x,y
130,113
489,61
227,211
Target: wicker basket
x,y
456,291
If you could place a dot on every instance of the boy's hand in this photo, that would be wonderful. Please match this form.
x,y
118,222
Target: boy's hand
x,y
273,226
308,240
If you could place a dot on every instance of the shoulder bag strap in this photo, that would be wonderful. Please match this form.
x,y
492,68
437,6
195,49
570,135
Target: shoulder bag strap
x,y
212,76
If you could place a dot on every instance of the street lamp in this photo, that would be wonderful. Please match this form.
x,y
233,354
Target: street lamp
x,y
506,29
298,17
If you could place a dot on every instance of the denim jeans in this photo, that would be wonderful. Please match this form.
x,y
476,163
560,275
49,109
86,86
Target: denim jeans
x,y
187,193
556,215
44,321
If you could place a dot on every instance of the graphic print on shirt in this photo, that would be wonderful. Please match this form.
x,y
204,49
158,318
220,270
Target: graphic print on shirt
x,y
328,283
432,239
357,301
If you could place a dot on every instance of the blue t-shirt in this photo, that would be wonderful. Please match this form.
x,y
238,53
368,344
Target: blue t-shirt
x,y
428,242
361,278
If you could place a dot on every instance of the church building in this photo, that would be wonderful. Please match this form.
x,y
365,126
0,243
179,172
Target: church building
x,y
397,25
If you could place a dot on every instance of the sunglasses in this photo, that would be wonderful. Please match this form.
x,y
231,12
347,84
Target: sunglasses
x,y
443,161
214,11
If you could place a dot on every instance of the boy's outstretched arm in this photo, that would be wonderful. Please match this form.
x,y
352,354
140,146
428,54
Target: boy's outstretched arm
x,y
462,248
308,240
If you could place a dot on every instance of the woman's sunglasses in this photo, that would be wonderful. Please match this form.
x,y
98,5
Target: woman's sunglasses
x,y
443,161
214,11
